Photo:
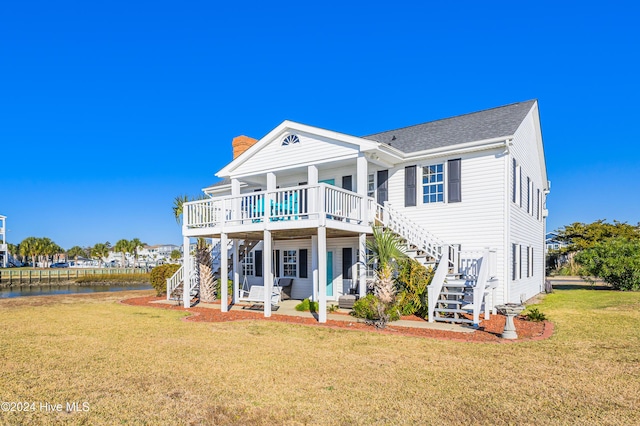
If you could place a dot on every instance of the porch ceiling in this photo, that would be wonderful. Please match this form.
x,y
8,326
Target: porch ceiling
x,y
288,234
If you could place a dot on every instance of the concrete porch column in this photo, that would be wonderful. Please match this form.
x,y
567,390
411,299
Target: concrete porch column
x,y
322,274
186,273
224,272
267,271
362,260
236,270
314,266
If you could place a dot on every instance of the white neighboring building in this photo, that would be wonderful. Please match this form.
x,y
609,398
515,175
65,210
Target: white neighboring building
x,y
148,256
467,193
4,251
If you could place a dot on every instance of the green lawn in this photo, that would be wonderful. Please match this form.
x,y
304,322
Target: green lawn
x,y
136,365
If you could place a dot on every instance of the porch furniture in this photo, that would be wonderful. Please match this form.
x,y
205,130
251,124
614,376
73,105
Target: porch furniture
x,y
346,301
256,295
285,285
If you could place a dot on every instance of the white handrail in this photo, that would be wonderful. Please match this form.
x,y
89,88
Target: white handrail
x,y
437,282
480,287
412,232
299,202
174,281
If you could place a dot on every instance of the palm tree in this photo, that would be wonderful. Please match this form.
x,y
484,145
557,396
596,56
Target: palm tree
x,y
75,252
123,246
135,245
177,207
100,251
28,247
203,256
386,247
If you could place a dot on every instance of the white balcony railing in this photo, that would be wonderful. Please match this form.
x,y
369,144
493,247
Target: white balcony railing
x,y
303,202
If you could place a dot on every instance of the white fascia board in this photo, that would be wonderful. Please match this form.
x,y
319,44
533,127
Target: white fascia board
x,y
364,144
221,188
536,123
463,148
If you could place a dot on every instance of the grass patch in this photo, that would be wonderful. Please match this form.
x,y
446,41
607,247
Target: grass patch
x,y
114,278
139,365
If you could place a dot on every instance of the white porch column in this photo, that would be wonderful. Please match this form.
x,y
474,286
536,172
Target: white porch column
x,y
236,270
362,260
322,274
224,272
361,185
235,205
267,271
314,266
312,179
186,271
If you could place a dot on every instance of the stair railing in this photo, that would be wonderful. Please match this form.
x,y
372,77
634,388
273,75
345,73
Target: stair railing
x,y
174,281
434,289
481,286
409,230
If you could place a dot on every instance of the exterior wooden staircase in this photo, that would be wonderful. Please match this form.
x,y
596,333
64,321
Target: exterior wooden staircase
x,y
462,280
175,284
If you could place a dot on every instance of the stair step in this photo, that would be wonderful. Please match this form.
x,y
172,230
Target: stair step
x,y
451,311
449,302
453,293
460,320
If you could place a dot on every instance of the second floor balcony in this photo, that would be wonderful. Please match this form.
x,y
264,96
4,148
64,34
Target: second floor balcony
x,y
304,206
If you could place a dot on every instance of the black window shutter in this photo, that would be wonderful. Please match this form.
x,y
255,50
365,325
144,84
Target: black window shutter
x,y
454,181
303,263
514,263
515,168
383,186
258,262
410,186
347,261
347,183
520,180
529,194
276,262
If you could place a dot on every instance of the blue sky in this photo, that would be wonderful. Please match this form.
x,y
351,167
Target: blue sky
x,y
110,110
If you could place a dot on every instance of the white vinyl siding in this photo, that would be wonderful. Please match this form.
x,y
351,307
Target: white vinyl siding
x,y
310,150
527,226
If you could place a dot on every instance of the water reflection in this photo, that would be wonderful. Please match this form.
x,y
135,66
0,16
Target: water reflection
x,y
45,290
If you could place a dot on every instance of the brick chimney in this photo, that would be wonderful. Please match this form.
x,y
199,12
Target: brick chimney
x,y
241,144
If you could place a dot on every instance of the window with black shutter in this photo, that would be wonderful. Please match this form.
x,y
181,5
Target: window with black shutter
x,y
454,181
410,193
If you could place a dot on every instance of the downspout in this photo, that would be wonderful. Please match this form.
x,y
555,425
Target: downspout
x,y
507,219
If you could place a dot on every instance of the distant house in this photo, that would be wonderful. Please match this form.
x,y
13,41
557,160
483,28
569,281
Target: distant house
x,y
553,243
466,193
4,251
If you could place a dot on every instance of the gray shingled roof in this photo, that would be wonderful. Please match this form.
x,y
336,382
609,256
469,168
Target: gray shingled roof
x,y
476,126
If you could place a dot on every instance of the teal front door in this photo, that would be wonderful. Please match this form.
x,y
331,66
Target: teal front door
x,y
329,274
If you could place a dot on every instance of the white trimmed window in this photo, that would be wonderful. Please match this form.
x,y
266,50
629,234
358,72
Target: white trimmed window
x,y
290,263
530,261
433,184
517,261
371,185
248,264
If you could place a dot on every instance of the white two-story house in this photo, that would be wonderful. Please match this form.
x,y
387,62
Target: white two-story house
x,y
467,193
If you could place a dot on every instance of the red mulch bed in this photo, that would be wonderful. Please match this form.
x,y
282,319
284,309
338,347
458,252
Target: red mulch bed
x,y
489,331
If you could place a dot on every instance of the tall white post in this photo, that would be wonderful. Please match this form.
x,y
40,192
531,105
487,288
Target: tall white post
x,y
314,266
267,271
235,204
361,186
224,272
186,277
362,260
312,180
322,274
236,270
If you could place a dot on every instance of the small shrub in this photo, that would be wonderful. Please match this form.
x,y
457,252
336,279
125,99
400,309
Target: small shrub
x,y
535,315
373,311
159,275
307,306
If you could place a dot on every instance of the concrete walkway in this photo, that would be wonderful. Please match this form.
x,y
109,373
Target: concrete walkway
x,y
287,307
